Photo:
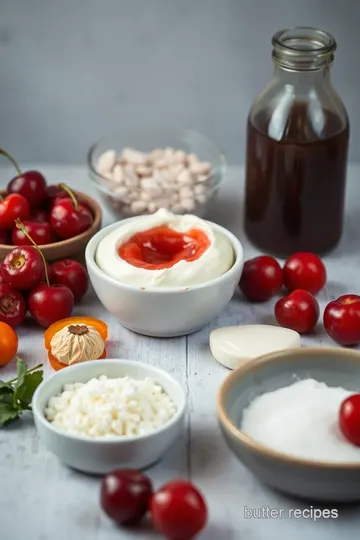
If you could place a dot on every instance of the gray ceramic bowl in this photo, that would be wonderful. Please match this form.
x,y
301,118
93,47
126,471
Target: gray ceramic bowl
x,y
314,480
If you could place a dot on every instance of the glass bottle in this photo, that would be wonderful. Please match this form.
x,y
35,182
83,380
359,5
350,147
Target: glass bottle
x,y
297,148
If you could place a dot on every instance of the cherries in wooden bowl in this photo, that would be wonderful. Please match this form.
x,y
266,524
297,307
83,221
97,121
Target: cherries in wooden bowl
x,y
59,219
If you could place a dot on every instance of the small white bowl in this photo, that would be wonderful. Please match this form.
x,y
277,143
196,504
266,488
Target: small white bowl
x,y
164,312
99,456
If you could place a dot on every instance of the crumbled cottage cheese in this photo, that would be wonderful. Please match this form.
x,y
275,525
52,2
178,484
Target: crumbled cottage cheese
x,y
301,420
105,407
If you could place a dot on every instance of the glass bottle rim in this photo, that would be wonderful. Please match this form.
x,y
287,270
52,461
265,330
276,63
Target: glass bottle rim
x,y
303,48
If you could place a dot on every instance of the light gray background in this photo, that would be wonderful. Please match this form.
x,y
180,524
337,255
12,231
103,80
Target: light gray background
x,y
73,71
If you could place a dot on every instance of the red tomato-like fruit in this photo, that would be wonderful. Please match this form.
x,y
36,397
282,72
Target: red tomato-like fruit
x,y
23,268
261,278
12,305
298,311
342,319
50,303
178,510
125,495
72,274
12,207
31,185
349,419
40,233
304,271
68,221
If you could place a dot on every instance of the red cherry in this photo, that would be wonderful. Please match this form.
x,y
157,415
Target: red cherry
x,y
298,311
4,238
72,274
40,233
12,305
50,303
69,220
349,419
178,510
12,207
23,268
70,216
49,273
54,195
31,185
304,271
40,216
342,319
261,278
125,495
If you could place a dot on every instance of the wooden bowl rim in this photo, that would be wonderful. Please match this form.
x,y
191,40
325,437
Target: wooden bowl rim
x,y
97,214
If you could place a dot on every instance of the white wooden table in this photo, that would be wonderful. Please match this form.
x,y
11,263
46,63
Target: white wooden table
x,y
40,499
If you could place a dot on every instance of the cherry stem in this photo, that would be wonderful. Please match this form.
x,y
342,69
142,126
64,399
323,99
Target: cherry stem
x,y
71,195
19,224
10,158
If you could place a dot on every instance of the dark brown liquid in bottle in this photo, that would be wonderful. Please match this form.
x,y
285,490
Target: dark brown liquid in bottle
x,y
295,187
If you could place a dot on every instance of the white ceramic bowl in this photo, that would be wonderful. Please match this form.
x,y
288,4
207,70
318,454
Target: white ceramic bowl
x,y
98,456
165,312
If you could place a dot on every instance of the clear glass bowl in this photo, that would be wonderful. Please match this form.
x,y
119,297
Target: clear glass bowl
x,y
193,197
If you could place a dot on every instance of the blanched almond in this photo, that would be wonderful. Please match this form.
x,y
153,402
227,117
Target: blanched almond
x,y
143,170
138,206
188,204
106,161
133,156
186,193
201,167
185,177
118,173
131,178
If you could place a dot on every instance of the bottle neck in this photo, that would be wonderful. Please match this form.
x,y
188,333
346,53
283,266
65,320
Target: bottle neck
x,y
303,78
303,50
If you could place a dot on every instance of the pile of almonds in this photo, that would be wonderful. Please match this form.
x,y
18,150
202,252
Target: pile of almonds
x,y
164,178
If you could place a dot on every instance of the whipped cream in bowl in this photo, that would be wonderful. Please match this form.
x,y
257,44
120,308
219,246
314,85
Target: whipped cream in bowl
x,y
165,274
216,259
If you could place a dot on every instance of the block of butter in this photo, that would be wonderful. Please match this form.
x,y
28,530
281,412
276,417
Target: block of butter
x,y
234,345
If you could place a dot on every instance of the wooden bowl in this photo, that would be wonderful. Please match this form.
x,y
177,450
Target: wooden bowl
x,y
73,247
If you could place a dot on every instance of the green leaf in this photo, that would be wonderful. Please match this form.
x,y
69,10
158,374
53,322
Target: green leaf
x,y
7,398
7,413
24,393
21,369
5,387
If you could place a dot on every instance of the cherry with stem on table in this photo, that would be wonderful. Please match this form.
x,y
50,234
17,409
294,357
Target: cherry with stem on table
x,y
12,305
72,274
